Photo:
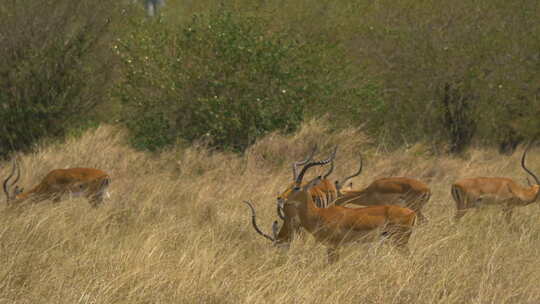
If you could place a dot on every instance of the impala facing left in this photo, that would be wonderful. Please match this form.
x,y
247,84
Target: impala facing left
x,y
88,182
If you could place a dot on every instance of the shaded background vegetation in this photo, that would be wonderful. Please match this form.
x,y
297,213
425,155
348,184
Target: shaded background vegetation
x,y
55,67
449,75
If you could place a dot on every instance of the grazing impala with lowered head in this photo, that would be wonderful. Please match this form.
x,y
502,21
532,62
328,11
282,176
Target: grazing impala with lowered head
x,y
88,182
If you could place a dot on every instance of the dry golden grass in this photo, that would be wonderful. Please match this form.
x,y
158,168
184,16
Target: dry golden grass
x,y
175,231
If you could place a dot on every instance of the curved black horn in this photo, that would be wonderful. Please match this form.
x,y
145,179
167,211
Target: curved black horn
x,y
280,211
340,184
18,173
333,156
275,229
523,162
5,185
254,222
303,162
304,169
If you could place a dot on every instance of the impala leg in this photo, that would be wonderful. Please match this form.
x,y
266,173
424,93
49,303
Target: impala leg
x,y
461,209
459,214
403,250
333,254
55,197
95,200
416,204
421,218
462,202
400,238
508,211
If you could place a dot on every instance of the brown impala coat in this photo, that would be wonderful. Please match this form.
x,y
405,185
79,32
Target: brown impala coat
x,y
88,182
337,225
405,191
324,192
475,192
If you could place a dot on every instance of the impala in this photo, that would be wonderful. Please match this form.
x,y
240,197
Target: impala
x,y
337,225
474,192
325,191
88,182
391,190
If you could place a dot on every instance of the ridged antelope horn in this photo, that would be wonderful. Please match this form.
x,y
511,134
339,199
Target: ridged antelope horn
x,y
280,210
333,156
254,223
303,162
5,185
523,162
304,170
275,230
340,184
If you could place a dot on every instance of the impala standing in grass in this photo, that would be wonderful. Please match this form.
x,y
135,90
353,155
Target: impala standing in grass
x,y
325,191
405,191
88,182
475,192
337,225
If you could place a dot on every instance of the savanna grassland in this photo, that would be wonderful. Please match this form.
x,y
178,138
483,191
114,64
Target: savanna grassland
x,y
175,229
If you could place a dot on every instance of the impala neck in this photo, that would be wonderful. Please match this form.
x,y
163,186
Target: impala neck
x,y
308,213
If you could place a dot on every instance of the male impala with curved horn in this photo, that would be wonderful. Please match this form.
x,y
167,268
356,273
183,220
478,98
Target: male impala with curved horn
x,y
88,182
336,225
390,190
475,192
325,191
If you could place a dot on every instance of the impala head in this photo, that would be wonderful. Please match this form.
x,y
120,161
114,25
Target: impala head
x,y
281,238
299,193
287,191
12,195
536,186
286,210
340,185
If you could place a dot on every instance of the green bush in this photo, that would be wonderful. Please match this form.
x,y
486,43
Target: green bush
x,y
225,78
54,67
453,73
150,131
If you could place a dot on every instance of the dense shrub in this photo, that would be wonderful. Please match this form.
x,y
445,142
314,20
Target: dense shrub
x,y
54,67
453,73
224,77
